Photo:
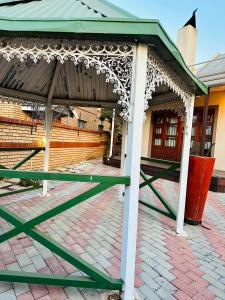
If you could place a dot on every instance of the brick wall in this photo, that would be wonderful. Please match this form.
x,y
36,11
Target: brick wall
x,y
88,114
11,110
69,144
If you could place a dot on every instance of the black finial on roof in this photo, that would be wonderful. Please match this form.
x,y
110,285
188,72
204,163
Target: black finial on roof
x,y
192,20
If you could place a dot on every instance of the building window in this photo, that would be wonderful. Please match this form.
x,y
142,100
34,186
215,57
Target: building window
x,y
100,127
197,131
82,123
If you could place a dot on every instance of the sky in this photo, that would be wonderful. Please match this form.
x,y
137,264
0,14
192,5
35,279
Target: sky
x,y
173,14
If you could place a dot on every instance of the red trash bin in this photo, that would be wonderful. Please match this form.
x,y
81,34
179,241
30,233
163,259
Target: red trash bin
x,y
199,178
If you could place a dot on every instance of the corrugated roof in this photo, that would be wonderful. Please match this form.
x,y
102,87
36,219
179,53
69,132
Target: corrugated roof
x,y
93,19
74,82
62,10
213,73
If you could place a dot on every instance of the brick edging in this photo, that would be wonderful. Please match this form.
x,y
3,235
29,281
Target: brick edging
x,y
54,144
71,127
57,125
20,145
18,122
59,144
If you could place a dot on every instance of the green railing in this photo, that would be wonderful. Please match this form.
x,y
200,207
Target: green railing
x,y
32,185
148,182
95,278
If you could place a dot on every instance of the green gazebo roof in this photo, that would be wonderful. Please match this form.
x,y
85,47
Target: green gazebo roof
x,y
92,19
61,10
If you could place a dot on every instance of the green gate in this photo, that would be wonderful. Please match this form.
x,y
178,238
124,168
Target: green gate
x,y
95,278
35,151
169,212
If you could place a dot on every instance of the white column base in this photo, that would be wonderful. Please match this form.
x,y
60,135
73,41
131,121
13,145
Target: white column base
x,y
45,189
182,233
135,296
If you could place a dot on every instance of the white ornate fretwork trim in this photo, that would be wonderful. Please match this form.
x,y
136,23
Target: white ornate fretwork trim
x,y
159,73
175,106
114,60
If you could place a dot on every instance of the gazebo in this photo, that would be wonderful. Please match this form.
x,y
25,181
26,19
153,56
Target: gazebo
x,y
92,53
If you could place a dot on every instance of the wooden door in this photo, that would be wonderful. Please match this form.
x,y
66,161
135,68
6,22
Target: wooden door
x,y
167,136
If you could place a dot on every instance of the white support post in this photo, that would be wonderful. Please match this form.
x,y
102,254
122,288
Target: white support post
x,y
123,157
48,124
112,133
184,170
134,140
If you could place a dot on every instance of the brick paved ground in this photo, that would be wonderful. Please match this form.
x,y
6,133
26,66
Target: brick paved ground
x,y
168,266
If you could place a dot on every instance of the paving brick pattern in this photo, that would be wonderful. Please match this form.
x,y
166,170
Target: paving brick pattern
x,y
168,266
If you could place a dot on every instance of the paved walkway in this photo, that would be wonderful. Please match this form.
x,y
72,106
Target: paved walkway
x,y
168,266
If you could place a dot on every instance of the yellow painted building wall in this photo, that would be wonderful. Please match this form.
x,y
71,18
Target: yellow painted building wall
x,y
146,135
217,98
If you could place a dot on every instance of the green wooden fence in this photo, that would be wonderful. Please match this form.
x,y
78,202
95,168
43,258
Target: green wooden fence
x,y
94,277
33,185
169,211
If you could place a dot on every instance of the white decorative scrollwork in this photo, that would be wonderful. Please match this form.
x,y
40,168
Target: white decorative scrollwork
x,y
14,99
158,73
114,60
174,106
